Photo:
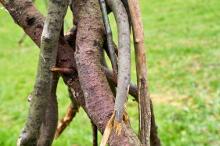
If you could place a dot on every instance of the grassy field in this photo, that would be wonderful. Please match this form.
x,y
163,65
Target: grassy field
x,y
183,42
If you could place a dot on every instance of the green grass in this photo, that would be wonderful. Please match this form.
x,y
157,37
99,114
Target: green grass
x,y
183,42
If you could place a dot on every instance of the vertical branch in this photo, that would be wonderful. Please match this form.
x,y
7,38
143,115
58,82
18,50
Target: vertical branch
x,y
49,124
47,59
123,57
123,78
94,134
154,139
143,95
109,36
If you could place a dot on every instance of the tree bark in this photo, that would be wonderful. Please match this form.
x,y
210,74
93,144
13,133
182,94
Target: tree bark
x,y
44,80
123,78
143,95
97,94
49,124
27,17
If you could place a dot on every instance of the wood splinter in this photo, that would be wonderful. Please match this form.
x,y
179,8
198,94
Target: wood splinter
x,y
64,122
62,70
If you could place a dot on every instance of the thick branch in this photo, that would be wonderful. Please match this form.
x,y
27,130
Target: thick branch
x,y
66,59
31,21
92,80
43,85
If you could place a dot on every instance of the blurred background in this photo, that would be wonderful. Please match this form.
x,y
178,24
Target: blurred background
x,y
183,54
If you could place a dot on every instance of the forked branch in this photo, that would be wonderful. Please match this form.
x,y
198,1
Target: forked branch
x,y
43,85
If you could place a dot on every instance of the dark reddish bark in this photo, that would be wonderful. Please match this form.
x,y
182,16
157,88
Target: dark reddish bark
x,y
97,94
31,21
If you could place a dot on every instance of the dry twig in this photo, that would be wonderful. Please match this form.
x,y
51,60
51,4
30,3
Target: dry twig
x,y
143,95
109,36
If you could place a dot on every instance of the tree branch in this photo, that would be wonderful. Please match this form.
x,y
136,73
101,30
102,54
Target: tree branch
x,y
94,134
44,80
92,80
26,10
123,57
143,95
123,77
72,109
49,124
108,30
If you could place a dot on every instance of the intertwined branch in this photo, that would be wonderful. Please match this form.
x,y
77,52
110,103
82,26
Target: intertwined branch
x,y
83,72
43,88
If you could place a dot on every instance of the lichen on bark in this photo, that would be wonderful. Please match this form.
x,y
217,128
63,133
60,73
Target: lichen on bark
x,y
44,80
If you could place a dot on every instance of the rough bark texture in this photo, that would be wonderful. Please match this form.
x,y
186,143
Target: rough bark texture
x,y
49,124
26,16
97,94
44,79
31,21
143,95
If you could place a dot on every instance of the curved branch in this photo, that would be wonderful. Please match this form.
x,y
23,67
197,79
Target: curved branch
x,y
49,124
43,85
72,109
66,59
123,57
